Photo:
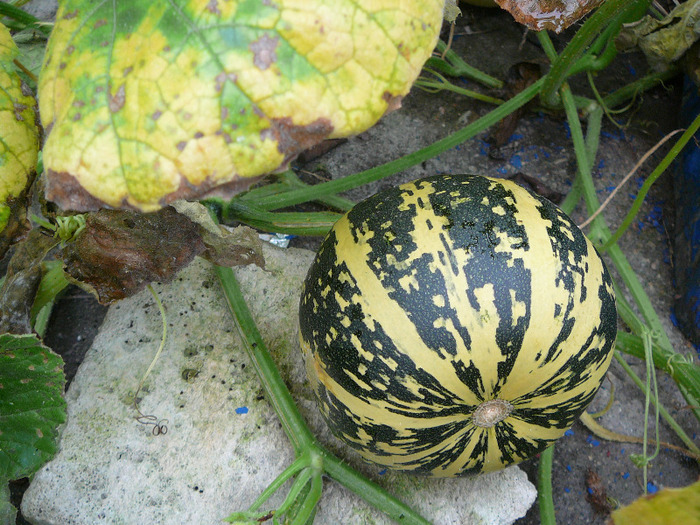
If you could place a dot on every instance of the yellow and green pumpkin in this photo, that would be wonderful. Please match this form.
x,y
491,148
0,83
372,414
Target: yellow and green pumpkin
x,y
456,324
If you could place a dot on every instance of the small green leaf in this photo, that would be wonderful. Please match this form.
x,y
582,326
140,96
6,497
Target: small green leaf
x,y
31,404
19,144
145,103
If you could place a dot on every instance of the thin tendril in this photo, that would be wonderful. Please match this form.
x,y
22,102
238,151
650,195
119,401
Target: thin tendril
x,y
159,425
628,176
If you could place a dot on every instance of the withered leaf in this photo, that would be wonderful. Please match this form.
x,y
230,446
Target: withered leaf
x,y
120,252
553,15
596,494
22,281
520,76
225,247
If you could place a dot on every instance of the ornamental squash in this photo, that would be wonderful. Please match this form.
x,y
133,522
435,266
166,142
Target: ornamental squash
x,y
455,324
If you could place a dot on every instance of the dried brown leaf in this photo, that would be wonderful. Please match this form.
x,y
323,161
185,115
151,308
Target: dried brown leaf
x,y
120,252
553,15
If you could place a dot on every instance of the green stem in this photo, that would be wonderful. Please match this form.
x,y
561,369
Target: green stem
x,y
311,193
631,90
289,181
277,392
660,169
23,17
292,470
434,86
664,413
295,223
544,487
292,421
454,66
681,369
607,13
370,491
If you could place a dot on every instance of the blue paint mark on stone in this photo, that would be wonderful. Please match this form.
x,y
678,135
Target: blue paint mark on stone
x,y
592,441
382,472
652,488
516,161
568,467
569,433
242,410
567,489
626,475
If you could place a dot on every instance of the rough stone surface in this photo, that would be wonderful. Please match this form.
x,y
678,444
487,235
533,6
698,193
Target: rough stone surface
x,y
224,443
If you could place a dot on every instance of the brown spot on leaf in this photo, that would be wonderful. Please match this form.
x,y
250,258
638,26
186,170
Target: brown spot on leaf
x,y
213,7
116,101
39,433
181,145
65,190
128,70
99,23
553,15
70,15
62,65
221,79
292,139
77,117
19,108
393,102
69,50
156,114
263,50
198,135
78,103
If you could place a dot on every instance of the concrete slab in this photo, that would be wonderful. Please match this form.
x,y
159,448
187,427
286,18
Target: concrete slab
x,y
224,443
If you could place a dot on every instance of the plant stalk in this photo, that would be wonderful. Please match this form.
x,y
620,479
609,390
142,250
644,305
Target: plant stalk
x,y
544,487
294,425
311,193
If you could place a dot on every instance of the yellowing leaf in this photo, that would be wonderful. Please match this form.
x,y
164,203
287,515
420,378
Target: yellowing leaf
x,y
19,143
667,507
148,102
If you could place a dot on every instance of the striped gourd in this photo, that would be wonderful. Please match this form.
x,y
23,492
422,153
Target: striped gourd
x,y
454,325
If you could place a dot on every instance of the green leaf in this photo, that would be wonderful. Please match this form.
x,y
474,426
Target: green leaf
x,y
19,144
31,404
8,513
145,103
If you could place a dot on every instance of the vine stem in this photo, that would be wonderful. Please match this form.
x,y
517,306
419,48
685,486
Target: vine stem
x,y
662,410
277,392
310,193
544,487
293,423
